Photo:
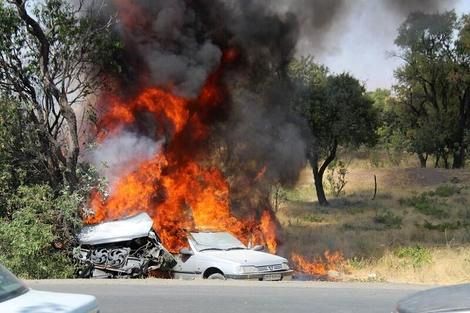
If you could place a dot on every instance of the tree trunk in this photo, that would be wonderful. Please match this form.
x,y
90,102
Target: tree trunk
x,y
445,157
319,171
436,162
422,160
72,142
459,155
318,177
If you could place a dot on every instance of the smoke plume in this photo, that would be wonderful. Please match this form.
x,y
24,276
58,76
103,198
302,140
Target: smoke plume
x,y
405,7
177,45
119,155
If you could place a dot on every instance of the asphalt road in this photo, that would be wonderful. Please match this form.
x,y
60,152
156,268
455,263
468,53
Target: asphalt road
x,y
173,296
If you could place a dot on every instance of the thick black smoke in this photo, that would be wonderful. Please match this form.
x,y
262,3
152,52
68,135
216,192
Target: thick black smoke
x,y
405,7
178,44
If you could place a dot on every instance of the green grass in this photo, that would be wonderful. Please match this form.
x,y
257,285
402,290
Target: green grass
x,y
388,219
414,256
445,191
426,205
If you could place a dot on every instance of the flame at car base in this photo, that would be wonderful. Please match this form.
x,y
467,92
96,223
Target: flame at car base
x,y
180,186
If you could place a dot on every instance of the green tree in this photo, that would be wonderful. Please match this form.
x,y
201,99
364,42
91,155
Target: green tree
x,y
390,131
50,61
34,239
338,111
433,85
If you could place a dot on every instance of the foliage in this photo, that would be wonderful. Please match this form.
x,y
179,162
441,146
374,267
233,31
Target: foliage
x,y
433,91
445,191
338,113
278,196
443,227
336,178
414,256
388,219
18,145
50,62
34,240
426,205
390,131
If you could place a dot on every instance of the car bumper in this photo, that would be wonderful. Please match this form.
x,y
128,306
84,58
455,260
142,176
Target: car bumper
x,y
283,275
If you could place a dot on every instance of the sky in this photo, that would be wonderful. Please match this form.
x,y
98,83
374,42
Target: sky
x,y
360,41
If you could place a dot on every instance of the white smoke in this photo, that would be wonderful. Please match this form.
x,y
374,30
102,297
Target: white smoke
x,y
121,154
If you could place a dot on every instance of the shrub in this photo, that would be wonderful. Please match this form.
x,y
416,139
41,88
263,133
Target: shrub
x,y
445,191
388,219
415,256
336,178
442,227
426,206
35,239
312,218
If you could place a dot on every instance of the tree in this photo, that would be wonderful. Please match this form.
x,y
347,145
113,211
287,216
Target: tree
x,y
433,85
50,61
338,111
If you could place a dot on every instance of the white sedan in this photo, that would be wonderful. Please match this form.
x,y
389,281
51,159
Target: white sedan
x,y
15,297
219,255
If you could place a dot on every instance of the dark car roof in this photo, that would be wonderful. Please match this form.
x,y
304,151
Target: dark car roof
x,y
443,299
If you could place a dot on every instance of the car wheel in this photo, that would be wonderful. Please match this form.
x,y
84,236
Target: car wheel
x,y
216,276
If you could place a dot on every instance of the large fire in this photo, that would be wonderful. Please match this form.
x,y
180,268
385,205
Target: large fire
x,y
175,187
180,185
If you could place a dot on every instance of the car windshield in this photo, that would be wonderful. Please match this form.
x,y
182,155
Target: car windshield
x,y
216,241
10,286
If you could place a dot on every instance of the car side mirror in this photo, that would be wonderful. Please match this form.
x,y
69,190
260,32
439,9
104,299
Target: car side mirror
x,y
258,248
186,251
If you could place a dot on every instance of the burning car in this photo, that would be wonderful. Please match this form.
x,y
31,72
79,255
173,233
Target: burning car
x,y
219,255
121,248
131,248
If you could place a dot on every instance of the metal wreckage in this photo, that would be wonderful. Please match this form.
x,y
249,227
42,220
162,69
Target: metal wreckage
x,y
122,248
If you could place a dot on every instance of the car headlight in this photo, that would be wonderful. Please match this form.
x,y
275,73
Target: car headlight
x,y
285,266
248,269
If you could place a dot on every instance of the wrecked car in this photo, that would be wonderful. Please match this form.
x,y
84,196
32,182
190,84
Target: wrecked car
x,y
220,255
122,248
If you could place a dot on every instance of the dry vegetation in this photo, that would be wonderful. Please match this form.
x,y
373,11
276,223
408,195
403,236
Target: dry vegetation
x,y
416,230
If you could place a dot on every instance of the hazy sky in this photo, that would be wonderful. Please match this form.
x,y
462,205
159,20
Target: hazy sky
x,y
359,41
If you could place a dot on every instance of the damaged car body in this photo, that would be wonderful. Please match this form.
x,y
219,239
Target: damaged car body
x,y
220,255
122,248
131,248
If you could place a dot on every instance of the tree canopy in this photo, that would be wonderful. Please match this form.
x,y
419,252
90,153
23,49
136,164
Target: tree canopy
x,y
338,112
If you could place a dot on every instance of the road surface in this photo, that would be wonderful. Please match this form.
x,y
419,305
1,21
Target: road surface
x,y
175,296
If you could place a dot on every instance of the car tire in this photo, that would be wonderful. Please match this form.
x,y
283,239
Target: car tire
x,y
216,276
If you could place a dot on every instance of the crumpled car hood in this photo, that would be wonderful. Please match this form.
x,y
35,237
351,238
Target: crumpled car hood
x,y
115,231
246,257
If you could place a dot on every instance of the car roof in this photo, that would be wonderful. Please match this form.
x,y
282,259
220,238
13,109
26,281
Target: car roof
x,y
443,299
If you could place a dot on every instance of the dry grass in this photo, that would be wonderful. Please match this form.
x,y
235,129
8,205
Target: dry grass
x,y
446,266
373,230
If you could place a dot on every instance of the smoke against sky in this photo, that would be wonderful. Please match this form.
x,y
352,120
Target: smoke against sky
x,y
363,33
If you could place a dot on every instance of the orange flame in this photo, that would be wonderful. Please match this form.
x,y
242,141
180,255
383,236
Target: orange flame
x,y
330,261
173,187
176,186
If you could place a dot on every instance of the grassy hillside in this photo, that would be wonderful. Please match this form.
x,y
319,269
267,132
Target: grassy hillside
x,y
416,229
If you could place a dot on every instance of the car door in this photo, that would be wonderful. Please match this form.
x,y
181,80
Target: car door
x,y
188,263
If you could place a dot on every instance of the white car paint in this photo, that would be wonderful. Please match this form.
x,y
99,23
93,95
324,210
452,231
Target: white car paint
x,y
115,231
232,263
16,297
49,302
